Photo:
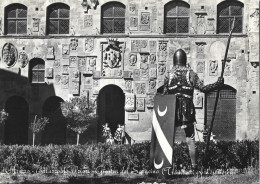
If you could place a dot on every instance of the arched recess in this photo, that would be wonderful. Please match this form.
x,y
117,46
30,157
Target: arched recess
x,y
110,108
224,127
55,131
16,125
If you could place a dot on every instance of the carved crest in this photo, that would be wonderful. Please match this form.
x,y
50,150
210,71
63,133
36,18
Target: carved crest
x,y
161,68
50,53
140,106
144,57
65,81
152,58
129,102
213,67
9,54
112,55
89,45
132,59
73,44
23,59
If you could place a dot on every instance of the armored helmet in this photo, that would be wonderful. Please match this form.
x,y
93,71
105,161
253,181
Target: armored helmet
x,y
179,58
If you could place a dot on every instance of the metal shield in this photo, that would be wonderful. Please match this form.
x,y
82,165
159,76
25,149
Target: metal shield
x,y
163,125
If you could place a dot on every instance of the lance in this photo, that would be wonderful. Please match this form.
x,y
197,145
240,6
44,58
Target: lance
x,y
218,91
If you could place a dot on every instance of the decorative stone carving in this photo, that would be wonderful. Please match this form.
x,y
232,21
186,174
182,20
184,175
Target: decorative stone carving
x,y
132,9
213,67
58,79
65,50
82,64
74,74
140,88
140,104
132,59
145,21
254,21
201,28
112,59
89,45
95,83
133,23
65,82
128,85
65,69
49,73
136,74
163,45
88,82
200,50
73,43
153,45
9,54
144,57
200,67
227,71
23,59
198,100
153,72
88,21
149,101
91,64
36,23
129,102
144,45
74,88
57,65
144,71
50,53
152,87
161,68
135,46
128,75
152,58
210,26
73,61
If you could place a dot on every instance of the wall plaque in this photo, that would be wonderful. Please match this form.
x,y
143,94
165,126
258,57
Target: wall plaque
x,y
144,21
213,67
65,50
49,73
140,104
89,45
129,102
9,54
88,21
73,61
23,59
133,116
50,53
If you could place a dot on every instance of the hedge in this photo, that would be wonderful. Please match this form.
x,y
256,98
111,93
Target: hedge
x,y
224,156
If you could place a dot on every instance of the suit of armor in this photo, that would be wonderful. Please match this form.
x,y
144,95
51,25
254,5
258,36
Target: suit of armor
x,y
181,81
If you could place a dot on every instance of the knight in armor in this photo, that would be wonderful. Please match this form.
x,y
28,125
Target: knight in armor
x,y
182,81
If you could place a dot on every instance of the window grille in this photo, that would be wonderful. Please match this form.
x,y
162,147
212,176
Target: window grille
x,y
176,17
58,17
113,18
37,70
226,13
16,19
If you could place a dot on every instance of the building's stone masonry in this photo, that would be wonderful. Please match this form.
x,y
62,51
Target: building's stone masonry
x,y
79,62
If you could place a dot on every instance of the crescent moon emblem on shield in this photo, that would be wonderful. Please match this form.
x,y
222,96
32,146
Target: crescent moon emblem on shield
x,y
158,166
161,113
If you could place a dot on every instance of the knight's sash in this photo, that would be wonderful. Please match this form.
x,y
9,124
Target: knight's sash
x,y
163,125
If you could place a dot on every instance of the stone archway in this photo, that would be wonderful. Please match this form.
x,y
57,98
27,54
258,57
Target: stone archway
x,y
16,125
110,108
225,118
55,131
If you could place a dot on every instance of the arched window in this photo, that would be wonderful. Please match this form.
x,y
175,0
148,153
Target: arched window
x,y
227,10
16,19
58,19
113,18
176,17
37,70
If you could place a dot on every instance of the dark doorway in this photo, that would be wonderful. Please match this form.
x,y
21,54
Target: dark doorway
x,y
55,131
16,125
224,126
110,109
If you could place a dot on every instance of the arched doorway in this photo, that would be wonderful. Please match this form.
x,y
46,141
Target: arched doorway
x,y
110,108
224,126
55,131
16,125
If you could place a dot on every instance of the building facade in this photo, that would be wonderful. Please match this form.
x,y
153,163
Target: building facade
x,y
117,53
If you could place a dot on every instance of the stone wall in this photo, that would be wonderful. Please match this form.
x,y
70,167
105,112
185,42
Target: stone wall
x,y
80,63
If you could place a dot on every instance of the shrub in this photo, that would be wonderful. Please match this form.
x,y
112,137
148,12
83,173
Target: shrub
x,y
120,158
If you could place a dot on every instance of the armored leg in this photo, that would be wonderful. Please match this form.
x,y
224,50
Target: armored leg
x,y
190,139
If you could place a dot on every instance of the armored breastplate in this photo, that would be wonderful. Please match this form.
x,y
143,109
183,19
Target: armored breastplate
x,y
179,83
